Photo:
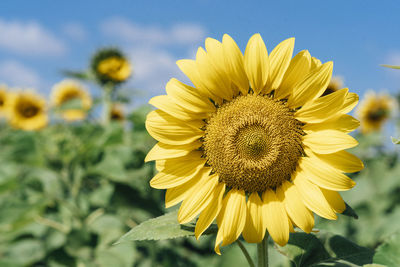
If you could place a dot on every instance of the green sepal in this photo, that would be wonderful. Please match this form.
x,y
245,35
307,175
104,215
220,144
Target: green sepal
x,y
350,212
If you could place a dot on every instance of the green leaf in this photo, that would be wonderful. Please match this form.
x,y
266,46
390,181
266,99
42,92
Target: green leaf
x,y
388,253
162,227
350,212
324,249
390,66
395,141
27,251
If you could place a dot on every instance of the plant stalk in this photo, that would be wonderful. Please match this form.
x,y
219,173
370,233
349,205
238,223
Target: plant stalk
x,y
262,252
245,253
107,103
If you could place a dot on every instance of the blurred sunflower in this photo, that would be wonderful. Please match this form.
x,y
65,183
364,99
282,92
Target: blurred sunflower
x,y
117,113
335,84
110,65
27,111
253,145
374,110
3,100
69,91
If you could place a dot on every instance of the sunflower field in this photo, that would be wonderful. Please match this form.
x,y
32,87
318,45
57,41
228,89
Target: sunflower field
x,y
264,159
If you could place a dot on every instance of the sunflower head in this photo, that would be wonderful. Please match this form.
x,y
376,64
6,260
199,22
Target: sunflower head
x,y
110,65
3,99
374,110
27,111
117,113
253,144
70,92
335,84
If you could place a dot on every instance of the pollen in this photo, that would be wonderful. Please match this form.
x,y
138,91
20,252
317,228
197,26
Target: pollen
x,y
253,143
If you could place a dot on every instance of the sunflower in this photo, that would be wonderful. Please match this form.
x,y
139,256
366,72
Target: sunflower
x,y
117,113
335,84
252,144
67,91
3,100
110,65
27,111
374,110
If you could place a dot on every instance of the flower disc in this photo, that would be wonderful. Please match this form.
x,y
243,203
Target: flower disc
x,y
253,143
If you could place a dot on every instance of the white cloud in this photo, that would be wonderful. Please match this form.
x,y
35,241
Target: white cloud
x,y
15,74
152,69
127,30
29,38
75,31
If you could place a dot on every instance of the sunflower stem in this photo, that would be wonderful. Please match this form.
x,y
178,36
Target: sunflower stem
x,y
245,253
107,103
262,252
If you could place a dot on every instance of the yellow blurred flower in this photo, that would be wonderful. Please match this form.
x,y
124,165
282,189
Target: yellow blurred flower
x,y
3,100
117,69
374,110
335,84
67,91
110,65
252,144
27,111
117,113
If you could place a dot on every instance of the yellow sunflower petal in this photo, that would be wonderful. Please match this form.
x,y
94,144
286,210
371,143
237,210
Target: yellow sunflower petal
x,y
166,104
341,122
190,69
231,219
160,164
165,151
254,229
176,194
236,66
312,86
256,63
295,207
323,175
334,199
279,61
328,141
169,130
197,201
276,218
298,69
213,78
341,160
208,215
313,197
186,97
350,102
315,63
178,171
322,108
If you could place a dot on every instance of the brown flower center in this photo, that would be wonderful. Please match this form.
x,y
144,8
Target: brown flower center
x,y
253,143
28,110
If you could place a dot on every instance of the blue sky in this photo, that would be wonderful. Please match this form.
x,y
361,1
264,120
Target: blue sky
x,y
40,38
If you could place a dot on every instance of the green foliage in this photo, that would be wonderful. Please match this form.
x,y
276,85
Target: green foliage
x,y
325,249
388,252
396,141
162,227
